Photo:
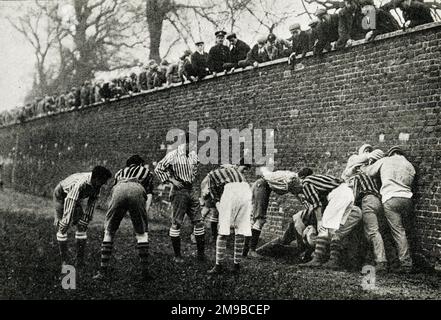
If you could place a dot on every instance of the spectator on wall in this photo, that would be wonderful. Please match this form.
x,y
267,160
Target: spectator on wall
x,y
142,79
301,41
160,77
199,62
257,54
105,91
415,13
85,94
96,91
134,82
277,48
238,50
60,102
219,54
172,74
186,72
384,23
326,31
350,23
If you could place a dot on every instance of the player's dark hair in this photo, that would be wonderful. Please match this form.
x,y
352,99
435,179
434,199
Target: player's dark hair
x,y
101,173
135,160
303,173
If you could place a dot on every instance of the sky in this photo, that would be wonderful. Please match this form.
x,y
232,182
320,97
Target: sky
x,y
17,60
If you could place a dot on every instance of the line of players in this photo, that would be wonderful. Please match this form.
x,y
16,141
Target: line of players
x,y
333,206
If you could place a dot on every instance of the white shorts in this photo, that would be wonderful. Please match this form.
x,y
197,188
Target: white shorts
x,y
235,209
340,202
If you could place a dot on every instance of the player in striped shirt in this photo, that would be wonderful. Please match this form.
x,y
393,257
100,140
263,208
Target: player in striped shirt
x,y
231,192
179,167
336,198
129,194
68,210
368,199
278,182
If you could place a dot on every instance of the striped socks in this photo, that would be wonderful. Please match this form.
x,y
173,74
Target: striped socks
x,y
106,252
221,247
239,243
321,244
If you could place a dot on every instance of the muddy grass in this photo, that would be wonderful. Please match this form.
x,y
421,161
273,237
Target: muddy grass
x,y
29,267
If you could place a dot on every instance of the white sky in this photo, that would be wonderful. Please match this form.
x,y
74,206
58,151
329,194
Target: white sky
x,y
17,59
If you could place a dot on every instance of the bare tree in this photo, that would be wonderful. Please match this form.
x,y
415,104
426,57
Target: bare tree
x,y
268,15
42,34
98,31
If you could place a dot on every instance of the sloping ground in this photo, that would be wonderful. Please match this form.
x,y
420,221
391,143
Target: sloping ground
x,y
29,267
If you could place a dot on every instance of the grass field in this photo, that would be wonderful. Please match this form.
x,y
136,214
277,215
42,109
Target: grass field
x,y
29,267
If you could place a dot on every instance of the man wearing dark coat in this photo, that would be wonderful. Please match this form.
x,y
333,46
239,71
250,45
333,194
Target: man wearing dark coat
x,y
301,41
415,13
384,23
199,61
238,50
258,54
219,54
326,31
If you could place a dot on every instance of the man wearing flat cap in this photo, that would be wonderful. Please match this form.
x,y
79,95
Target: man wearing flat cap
x,y
199,61
326,31
238,51
397,175
186,70
301,41
219,54
258,54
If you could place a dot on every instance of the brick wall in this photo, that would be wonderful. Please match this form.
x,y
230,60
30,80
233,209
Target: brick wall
x,y
320,113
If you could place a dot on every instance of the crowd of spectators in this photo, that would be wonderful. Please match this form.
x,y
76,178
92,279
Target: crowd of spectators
x,y
326,32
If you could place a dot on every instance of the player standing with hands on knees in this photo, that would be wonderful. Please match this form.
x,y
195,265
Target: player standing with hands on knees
x,y
129,194
179,167
68,210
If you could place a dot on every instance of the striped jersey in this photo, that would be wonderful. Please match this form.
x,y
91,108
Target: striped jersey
x,y
78,186
363,185
218,178
136,173
179,165
317,186
279,181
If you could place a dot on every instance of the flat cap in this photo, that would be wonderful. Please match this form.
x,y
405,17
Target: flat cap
x,y
320,12
186,54
199,42
314,22
294,26
231,35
